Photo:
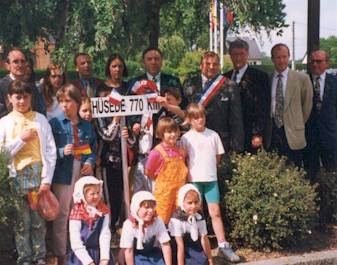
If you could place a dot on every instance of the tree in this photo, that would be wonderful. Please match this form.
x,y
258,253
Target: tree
x,y
330,45
189,18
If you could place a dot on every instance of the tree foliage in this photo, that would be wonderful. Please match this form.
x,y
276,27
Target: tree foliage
x,y
330,45
101,27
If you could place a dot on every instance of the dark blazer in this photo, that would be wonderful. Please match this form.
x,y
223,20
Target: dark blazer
x,y
322,125
255,101
37,100
223,112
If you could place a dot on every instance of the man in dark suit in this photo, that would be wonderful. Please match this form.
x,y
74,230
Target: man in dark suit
x,y
254,92
16,64
291,102
223,112
86,82
152,60
321,130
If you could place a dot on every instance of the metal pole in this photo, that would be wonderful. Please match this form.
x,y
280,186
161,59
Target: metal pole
x,y
313,27
210,28
221,34
293,66
125,170
216,26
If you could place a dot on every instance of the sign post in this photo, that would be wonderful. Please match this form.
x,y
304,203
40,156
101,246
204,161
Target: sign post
x,y
128,105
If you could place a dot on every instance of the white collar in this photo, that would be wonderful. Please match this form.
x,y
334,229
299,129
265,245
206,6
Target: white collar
x,y
242,70
321,77
284,73
12,76
150,77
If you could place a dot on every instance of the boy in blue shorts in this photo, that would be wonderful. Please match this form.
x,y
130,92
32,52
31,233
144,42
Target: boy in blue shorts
x,y
204,150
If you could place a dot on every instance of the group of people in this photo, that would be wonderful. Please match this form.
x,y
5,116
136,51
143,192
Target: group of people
x,y
55,144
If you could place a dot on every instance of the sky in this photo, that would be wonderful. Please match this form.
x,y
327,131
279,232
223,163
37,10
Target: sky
x,y
296,10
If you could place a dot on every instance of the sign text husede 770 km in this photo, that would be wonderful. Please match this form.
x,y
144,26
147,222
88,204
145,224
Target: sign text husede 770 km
x,y
129,105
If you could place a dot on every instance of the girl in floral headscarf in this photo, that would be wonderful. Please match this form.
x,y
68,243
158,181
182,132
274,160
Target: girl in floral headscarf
x,y
89,225
188,227
144,233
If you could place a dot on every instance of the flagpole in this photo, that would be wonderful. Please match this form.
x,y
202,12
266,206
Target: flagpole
x,y
221,34
211,25
215,26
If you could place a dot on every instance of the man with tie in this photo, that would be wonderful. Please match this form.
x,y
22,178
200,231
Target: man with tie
x,y
291,103
152,60
86,82
254,88
321,131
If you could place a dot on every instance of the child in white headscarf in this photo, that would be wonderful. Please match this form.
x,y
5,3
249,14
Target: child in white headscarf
x,y
144,233
188,227
89,225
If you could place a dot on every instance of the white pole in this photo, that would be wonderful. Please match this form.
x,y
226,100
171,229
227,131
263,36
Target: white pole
x,y
293,65
125,170
221,34
216,26
210,28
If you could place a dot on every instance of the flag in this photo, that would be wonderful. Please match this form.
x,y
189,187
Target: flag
x,y
212,14
229,17
83,149
144,86
115,98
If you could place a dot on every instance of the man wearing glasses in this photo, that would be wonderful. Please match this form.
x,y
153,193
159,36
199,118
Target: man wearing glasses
x,y
16,65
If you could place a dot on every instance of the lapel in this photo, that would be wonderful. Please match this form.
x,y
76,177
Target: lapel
x,y
290,89
327,88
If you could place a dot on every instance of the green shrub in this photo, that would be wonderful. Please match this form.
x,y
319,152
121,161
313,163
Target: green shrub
x,y
328,192
269,205
6,210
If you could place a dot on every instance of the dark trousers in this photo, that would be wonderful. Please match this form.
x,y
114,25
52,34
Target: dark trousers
x,y
313,155
113,191
279,143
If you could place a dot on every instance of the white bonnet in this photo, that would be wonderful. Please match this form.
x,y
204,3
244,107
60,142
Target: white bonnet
x,y
78,194
182,193
138,198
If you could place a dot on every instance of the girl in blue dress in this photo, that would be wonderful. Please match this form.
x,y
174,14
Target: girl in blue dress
x,y
188,227
144,238
89,225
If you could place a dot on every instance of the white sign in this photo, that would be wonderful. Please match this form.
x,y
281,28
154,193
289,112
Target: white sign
x,y
129,105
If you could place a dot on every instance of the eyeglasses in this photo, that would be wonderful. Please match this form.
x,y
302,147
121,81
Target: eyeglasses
x,y
54,76
316,61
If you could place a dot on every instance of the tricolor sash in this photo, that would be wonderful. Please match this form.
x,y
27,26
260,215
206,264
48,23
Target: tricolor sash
x,y
212,89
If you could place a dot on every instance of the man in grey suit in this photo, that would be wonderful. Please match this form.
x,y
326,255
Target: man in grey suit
x,y
291,103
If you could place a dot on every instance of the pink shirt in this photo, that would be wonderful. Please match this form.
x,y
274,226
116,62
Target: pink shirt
x,y
155,161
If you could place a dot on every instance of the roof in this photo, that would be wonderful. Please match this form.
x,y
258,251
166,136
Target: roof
x,y
254,50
